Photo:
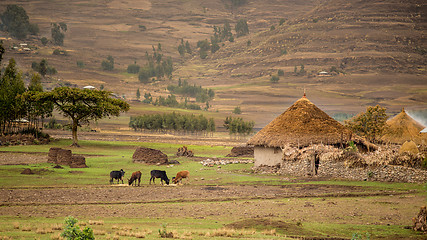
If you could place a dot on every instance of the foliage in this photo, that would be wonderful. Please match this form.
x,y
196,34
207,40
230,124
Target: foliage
x,y
73,232
274,79
242,28
357,236
185,89
163,233
280,72
58,33
184,48
133,68
83,105
237,110
238,125
81,64
172,121
138,94
272,28
108,64
147,98
282,20
156,66
43,68
248,43
44,41
11,85
370,124
16,21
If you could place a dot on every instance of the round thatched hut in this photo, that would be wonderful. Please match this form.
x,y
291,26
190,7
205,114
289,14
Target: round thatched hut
x,y
402,128
303,124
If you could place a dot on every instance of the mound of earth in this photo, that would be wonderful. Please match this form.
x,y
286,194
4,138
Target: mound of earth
x,y
242,151
27,171
61,156
149,156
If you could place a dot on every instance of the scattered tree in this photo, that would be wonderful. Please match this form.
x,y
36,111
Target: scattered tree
x,y
83,105
242,28
133,68
237,110
138,94
108,64
238,125
58,33
370,124
274,79
282,20
44,41
280,72
16,21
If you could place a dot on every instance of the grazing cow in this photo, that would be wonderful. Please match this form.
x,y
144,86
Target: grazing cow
x,y
159,174
117,175
135,176
180,176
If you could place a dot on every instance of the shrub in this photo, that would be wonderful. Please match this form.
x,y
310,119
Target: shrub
x,y
280,72
249,43
44,41
81,64
133,68
272,28
274,79
71,231
237,110
282,20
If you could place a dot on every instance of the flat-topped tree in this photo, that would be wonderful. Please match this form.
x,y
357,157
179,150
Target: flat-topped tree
x,y
83,105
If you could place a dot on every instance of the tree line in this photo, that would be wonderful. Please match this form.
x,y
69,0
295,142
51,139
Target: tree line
x,y
238,126
187,123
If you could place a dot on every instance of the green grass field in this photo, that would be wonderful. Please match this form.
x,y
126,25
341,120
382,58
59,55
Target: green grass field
x,y
104,156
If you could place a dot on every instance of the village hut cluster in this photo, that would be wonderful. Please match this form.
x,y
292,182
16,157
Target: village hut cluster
x,y
305,141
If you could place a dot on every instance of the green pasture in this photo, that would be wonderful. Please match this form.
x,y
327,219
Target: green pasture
x,y
104,156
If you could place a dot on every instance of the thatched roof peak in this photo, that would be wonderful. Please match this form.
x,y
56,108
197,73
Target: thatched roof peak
x,y
401,128
301,124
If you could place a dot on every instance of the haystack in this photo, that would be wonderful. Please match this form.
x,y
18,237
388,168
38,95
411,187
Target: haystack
x,y
403,128
149,156
241,151
409,147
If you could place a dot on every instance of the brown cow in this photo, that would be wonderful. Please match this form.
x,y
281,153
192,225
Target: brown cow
x,y
180,176
135,176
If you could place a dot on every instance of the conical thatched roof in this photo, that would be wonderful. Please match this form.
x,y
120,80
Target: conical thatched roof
x,y
402,128
301,124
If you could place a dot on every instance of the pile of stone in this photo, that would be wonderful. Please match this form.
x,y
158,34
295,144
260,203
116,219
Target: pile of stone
x,y
184,152
420,221
149,156
212,162
61,156
242,151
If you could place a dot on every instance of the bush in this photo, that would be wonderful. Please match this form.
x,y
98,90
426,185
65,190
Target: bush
x,y
108,64
237,110
133,68
44,41
274,79
71,231
81,64
280,72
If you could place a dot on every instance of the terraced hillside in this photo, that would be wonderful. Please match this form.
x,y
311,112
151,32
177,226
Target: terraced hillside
x,y
376,49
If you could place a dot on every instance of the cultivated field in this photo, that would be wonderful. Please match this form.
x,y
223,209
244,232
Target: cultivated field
x,y
227,202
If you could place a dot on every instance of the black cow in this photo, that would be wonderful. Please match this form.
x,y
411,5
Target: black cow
x,y
159,174
117,175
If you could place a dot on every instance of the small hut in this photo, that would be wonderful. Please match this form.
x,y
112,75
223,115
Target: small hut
x,y
301,125
402,128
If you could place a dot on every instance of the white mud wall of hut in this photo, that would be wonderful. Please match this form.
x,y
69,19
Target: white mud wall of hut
x,y
267,156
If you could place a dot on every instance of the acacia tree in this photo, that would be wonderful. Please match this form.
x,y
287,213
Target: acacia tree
x,y
369,124
83,105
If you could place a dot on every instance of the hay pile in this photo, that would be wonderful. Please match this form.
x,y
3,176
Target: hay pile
x,y
243,151
420,221
403,128
409,147
301,125
149,156
61,156
184,152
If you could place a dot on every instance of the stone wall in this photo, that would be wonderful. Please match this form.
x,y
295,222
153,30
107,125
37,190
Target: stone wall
x,y
344,164
21,139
